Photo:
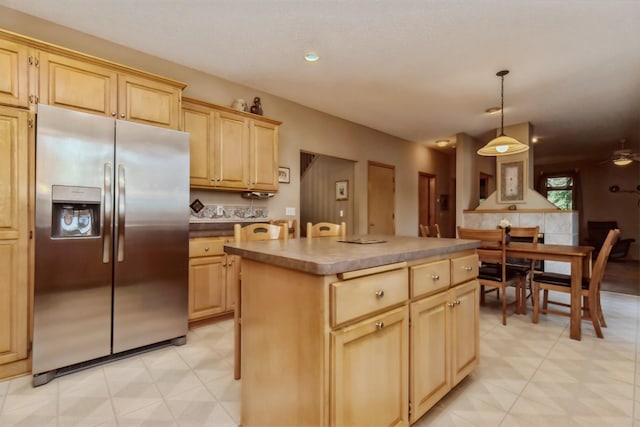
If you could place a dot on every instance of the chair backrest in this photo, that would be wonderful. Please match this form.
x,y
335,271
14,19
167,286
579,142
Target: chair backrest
x,y
525,234
493,250
326,229
601,261
426,231
288,224
259,231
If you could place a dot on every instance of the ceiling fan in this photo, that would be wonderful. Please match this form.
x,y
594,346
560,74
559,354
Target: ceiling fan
x,y
624,156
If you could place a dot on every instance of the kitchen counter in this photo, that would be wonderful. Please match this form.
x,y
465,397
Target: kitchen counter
x,y
322,328
327,255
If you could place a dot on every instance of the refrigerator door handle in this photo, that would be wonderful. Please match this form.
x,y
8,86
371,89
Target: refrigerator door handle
x,y
106,214
121,207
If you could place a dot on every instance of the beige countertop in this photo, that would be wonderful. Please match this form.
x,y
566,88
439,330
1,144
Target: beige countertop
x,y
327,255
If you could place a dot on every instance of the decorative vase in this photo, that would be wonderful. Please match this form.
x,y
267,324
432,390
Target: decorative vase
x,y
507,238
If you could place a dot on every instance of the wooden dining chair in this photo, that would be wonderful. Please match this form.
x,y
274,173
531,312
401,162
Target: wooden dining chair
x,y
326,229
251,232
591,307
523,267
495,273
429,231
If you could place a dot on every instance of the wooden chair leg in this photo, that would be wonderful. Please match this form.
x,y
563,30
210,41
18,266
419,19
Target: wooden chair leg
x,y
504,306
545,300
591,304
600,314
535,291
481,294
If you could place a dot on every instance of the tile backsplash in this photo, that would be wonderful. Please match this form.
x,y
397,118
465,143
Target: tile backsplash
x,y
225,213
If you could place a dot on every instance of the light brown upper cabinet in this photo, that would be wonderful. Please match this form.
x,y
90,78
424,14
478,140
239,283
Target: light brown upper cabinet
x,y
32,72
231,150
99,89
14,74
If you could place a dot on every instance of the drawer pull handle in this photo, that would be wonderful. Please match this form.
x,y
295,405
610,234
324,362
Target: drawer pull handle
x,y
379,325
457,302
435,277
206,249
451,304
467,268
380,293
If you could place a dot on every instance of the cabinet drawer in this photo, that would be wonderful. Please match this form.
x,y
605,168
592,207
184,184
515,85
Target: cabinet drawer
x,y
464,268
354,298
431,277
206,247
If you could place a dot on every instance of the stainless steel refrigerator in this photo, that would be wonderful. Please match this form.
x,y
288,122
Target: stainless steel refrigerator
x,y
111,241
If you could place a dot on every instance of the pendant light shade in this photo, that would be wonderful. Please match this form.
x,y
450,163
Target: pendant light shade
x,y
502,145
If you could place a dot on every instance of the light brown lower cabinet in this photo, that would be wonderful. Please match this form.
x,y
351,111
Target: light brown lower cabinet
x,y
374,347
444,345
15,145
213,277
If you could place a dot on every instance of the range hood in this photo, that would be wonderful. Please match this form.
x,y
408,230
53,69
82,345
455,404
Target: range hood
x,y
257,195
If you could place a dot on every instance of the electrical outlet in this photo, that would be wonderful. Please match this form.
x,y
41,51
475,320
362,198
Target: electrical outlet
x,y
219,210
290,211
341,213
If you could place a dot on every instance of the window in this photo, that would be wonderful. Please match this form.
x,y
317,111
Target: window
x,y
559,190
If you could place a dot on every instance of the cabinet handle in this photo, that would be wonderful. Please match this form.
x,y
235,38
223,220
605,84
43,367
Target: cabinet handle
x,y
467,268
451,304
379,325
113,113
380,293
457,302
435,277
206,249
122,115
224,264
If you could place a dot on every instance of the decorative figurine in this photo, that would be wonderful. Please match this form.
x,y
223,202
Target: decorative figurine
x,y
256,108
239,104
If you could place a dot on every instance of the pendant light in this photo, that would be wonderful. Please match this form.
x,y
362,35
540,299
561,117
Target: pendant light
x,y
503,145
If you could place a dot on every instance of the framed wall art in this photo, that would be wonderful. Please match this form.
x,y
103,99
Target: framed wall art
x,y
284,175
342,190
512,179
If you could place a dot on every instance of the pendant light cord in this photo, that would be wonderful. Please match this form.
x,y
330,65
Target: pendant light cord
x,y
501,104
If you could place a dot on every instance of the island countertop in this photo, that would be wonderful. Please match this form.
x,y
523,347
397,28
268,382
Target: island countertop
x,y
332,255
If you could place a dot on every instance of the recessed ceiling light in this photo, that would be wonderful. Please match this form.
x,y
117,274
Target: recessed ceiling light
x,y
492,110
442,142
311,57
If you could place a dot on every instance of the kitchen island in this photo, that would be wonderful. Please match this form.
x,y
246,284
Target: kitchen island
x,y
325,328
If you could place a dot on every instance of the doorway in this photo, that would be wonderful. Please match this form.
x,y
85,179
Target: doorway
x,y
426,199
380,198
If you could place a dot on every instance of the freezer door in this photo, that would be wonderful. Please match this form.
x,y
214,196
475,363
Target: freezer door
x,y
151,235
73,271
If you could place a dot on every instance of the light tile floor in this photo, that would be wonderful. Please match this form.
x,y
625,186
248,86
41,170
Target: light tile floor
x,y
529,375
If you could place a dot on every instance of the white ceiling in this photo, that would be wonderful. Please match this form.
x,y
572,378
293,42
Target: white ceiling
x,y
418,69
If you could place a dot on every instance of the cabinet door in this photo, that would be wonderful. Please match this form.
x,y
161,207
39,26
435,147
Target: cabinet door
x,y
231,151
264,156
13,237
465,330
198,121
369,378
206,286
14,74
430,353
78,85
148,101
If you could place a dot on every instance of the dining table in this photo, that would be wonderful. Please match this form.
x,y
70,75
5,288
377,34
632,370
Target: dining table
x,y
579,257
